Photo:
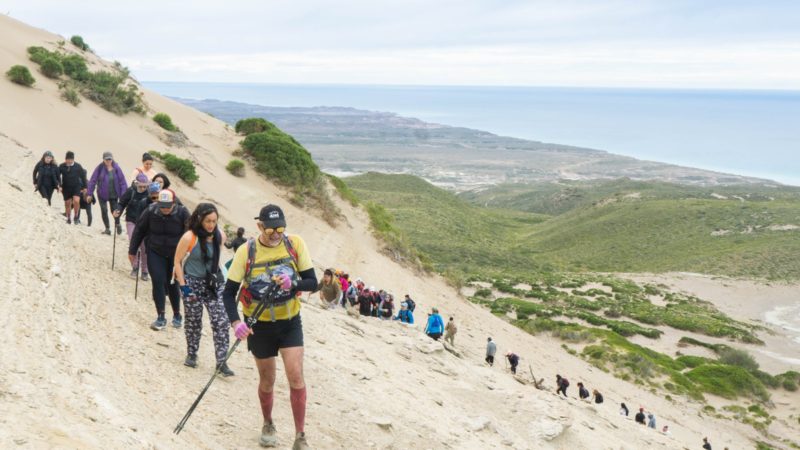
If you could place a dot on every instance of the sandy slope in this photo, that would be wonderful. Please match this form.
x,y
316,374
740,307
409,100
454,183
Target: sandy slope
x,y
82,370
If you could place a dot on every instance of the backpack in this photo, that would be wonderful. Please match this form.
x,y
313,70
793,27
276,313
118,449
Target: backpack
x,y
565,382
245,296
411,304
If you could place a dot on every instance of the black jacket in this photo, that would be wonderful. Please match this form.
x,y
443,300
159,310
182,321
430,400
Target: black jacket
x,y
46,175
134,203
161,233
72,177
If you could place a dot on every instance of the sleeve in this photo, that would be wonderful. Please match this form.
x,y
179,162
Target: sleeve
x,y
92,181
126,198
303,257
36,172
229,300
140,231
56,181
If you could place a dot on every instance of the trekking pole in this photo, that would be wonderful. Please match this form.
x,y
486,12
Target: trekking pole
x,y
114,249
262,306
138,268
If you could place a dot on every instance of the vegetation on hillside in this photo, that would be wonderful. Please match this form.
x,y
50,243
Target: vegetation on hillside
x,y
164,121
279,157
253,125
20,75
235,167
78,41
182,167
111,90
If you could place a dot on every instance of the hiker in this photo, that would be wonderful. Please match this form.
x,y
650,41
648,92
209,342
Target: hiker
x,y
404,315
651,420
350,297
513,360
491,349
706,444
160,227
72,179
146,168
365,303
387,307
277,256
583,393
45,177
623,410
236,242
329,290
435,325
201,283
665,431
134,201
344,283
86,205
412,305
561,385
377,300
598,397
450,331
110,183
639,417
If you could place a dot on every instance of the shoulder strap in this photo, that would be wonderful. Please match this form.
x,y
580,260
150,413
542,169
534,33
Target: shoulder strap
x,y
292,252
251,258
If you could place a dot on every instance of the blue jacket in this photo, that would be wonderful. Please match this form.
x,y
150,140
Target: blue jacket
x,y
435,324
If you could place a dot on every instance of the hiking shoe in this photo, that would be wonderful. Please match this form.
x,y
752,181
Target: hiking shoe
x,y
300,442
190,361
69,221
159,324
269,435
119,229
77,221
108,231
177,321
145,276
226,371
134,273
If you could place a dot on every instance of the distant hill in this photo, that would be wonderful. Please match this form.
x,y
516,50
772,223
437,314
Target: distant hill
x,y
660,227
351,141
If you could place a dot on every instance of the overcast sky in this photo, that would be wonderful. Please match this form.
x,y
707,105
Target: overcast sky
x,y
622,43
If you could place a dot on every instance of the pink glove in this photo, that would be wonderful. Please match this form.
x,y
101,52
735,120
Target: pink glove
x,y
284,281
241,331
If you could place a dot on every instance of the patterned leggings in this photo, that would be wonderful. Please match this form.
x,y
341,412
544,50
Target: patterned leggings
x,y
193,310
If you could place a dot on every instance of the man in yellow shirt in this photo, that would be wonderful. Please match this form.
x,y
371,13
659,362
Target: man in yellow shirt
x,y
274,255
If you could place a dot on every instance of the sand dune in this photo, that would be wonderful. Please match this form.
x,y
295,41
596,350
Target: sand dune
x,y
81,369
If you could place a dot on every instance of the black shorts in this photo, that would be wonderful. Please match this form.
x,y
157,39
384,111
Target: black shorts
x,y
268,337
69,192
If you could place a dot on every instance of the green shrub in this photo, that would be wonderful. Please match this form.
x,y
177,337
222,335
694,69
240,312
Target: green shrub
x,y
235,167
75,67
344,191
165,121
253,125
280,157
110,92
483,293
739,358
20,75
728,381
51,67
184,168
39,54
78,41
693,361
69,93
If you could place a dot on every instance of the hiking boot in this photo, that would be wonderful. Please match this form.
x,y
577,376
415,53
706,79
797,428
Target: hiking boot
x,y
300,442
69,221
159,324
108,231
135,273
77,221
190,361
119,229
226,371
145,276
269,435
177,321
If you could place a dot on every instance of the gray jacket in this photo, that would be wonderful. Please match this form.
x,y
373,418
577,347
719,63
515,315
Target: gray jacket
x,y
491,349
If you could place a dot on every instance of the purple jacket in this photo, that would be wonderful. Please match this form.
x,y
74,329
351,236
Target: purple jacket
x,y
100,179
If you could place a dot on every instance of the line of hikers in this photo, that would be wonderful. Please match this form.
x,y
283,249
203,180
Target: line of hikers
x,y
179,252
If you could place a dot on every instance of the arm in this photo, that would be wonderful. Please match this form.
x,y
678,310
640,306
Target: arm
x,y
36,173
92,181
180,253
126,198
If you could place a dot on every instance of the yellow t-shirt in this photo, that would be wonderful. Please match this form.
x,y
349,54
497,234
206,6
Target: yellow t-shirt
x,y
267,255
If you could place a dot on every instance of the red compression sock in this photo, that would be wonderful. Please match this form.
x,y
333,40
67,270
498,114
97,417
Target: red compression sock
x,y
266,404
298,399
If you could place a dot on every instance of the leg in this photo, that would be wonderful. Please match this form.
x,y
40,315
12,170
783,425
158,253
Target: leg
x,y
104,212
219,324
194,318
293,364
158,278
266,382
129,226
172,289
88,214
76,205
68,209
113,203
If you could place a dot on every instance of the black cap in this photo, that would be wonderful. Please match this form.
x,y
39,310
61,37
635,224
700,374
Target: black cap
x,y
70,155
271,216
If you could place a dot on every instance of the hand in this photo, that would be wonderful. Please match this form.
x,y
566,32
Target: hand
x,y
59,189
186,291
116,212
88,199
284,281
241,330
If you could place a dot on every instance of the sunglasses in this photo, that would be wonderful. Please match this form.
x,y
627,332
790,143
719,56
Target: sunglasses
x,y
154,197
274,230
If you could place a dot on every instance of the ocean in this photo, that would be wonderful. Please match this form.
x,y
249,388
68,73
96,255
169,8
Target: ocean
x,y
755,133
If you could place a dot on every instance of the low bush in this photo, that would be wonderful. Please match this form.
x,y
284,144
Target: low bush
x,y
344,191
184,168
69,93
235,167
280,157
483,293
165,121
253,125
20,75
51,67
728,381
739,358
78,41
75,67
